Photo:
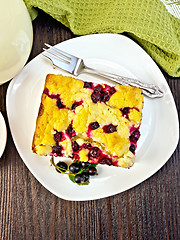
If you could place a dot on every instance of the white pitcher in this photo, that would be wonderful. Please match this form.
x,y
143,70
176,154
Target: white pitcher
x,y
16,37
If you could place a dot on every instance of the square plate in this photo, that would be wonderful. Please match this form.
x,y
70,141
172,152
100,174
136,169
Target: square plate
x,y
159,128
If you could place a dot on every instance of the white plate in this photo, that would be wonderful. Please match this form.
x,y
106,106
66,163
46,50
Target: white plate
x,y
3,134
159,128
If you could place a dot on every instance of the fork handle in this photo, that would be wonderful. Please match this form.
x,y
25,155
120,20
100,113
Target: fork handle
x,y
150,90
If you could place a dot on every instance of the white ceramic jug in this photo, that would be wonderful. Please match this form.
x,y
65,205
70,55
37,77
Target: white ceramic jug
x,y
16,37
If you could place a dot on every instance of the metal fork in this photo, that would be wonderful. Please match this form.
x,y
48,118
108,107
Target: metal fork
x,y
75,66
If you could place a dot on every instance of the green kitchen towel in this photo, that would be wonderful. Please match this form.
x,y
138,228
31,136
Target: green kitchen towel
x,y
147,21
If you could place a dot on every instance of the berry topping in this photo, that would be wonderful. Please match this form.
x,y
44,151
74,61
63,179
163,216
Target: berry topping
x,y
94,125
96,96
105,161
135,136
46,91
112,90
57,150
58,136
109,128
76,104
105,97
125,111
70,131
52,96
132,148
75,167
88,85
86,145
60,104
75,146
94,152
63,167
98,88
92,171
102,94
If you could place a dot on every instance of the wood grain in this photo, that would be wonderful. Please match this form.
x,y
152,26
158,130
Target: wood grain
x,y
28,211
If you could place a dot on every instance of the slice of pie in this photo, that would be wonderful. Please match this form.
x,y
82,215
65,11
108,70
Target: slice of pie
x,y
87,121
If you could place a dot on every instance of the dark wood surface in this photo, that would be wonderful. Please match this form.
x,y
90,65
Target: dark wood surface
x,y
29,211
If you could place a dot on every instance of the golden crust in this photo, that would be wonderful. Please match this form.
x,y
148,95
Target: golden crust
x,y
56,114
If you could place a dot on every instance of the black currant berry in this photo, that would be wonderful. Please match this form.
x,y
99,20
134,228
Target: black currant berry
x,y
92,171
105,97
63,167
78,178
75,167
86,145
96,96
74,105
70,131
94,125
60,104
94,152
86,165
112,90
132,148
125,110
98,88
105,161
58,136
135,136
85,176
75,146
109,128
87,84
57,149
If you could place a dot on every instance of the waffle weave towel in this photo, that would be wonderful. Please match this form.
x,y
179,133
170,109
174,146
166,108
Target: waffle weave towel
x,y
147,21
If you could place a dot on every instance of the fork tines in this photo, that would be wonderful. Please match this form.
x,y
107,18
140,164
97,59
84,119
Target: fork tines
x,y
59,54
